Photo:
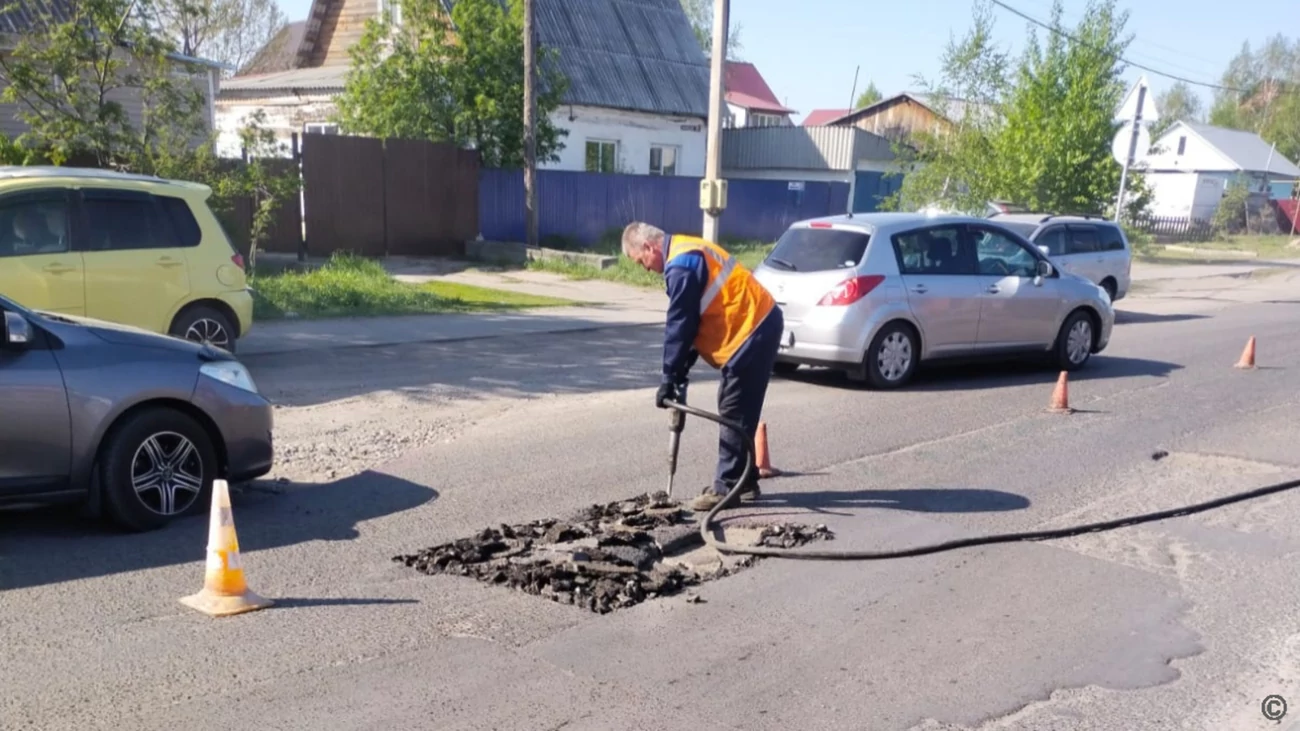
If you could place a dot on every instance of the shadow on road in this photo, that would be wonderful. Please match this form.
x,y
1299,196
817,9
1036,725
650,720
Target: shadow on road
x,y
50,546
524,365
923,500
1125,317
973,375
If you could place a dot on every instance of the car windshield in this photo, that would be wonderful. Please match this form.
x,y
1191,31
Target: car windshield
x,y
818,250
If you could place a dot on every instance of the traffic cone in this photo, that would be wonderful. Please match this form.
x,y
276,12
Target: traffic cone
x,y
764,460
224,589
1061,396
1248,355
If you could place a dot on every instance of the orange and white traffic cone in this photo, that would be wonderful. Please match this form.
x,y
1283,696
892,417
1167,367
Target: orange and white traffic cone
x,y
1247,360
1061,396
761,456
224,590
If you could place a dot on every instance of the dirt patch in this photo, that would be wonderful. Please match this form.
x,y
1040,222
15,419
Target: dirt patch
x,y
607,557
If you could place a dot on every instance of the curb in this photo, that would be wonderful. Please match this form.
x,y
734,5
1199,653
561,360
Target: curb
x,y
245,357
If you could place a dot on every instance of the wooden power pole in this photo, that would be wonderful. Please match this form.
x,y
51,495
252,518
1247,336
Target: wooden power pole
x,y
530,124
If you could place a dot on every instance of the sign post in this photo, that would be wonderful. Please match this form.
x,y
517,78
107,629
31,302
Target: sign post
x,y
1126,155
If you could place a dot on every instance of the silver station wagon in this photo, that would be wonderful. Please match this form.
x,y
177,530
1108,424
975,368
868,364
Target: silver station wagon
x,y
876,294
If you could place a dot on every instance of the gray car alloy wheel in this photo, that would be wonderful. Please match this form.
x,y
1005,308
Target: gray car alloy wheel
x,y
167,473
1079,341
205,330
894,356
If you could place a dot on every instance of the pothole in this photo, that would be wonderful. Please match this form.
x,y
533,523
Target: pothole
x,y
608,557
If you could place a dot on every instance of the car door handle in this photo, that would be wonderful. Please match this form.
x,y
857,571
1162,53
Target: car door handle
x,y
58,269
920,289
992,289
167,261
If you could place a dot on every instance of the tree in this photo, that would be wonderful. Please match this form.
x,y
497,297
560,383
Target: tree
x,y
457,79
869,96
1178,103
1263,94
1039,135
68,77
229,31
700,15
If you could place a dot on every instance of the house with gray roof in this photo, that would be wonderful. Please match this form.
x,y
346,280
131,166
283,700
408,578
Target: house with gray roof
x,y
638,82
19,18
1190,166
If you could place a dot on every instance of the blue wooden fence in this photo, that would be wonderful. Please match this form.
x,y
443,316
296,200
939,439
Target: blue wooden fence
x,y
582,206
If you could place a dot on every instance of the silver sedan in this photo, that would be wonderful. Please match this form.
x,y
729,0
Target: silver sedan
x,y
876,294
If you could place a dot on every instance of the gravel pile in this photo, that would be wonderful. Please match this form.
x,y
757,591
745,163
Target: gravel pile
x,y
605,558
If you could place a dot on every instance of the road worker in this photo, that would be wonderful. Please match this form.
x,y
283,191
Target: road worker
x,y
716,311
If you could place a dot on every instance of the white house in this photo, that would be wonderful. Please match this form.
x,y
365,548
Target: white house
x,y
637,98
1190,166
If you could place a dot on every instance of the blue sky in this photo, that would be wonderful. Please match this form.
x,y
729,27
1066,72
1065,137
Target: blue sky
x,y
808,55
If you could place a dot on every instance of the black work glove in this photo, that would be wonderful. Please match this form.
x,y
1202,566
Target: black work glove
x,y
670,391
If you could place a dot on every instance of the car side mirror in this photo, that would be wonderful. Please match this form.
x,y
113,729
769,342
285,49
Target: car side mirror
x,y
17,331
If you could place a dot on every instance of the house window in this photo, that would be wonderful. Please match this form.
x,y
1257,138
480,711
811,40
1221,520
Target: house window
x,y
663,160
600,156
1182,145
394,7
321,128
764,120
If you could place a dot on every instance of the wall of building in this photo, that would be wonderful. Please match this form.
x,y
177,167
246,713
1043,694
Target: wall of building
x,y
633,135
284,115
900,120
1185,195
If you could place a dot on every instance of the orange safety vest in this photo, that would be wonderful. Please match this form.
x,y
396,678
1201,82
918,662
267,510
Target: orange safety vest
x,y
733,305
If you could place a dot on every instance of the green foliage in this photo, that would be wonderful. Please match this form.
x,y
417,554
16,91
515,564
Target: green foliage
x,y
1179,103
699,13
1268,100
456,79
1231,216
626,271
69,79
1038,135
352,285
869,96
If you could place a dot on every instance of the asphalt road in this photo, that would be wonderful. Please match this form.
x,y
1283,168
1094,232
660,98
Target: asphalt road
x,y
1185,624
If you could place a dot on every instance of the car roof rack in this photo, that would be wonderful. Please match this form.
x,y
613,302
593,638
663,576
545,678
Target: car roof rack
x,y
1089,216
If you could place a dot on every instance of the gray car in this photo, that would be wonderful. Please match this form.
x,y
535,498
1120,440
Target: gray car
x,y
132,424
876,294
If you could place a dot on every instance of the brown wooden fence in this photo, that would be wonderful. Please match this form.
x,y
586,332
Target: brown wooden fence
x,y
383,197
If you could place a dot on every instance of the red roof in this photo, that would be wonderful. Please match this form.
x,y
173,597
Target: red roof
x,y
746,88
819,117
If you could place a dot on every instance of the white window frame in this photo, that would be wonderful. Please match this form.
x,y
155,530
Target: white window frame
x,y
601,143
677,156
396,7
320,128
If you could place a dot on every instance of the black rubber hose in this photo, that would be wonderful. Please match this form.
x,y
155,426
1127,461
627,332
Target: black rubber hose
x,y
1027,536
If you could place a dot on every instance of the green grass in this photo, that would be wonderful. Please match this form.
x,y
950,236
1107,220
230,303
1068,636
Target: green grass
x,y
351,286
1229,248
749,253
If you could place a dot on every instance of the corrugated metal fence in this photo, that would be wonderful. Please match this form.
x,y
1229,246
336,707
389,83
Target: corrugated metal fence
x,y
580,207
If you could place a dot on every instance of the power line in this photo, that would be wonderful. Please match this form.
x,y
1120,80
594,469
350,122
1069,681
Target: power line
x,y
1155,71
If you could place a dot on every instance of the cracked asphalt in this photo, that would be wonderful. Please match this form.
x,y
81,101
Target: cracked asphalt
x,y
1189,623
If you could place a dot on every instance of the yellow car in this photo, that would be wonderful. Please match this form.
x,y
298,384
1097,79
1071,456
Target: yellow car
x,y
130,249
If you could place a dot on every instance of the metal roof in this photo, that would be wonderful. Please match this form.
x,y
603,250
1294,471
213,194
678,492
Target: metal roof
x,y
636,55
800,148
1247,150
319,78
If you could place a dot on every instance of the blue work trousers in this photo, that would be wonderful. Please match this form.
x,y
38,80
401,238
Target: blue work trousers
x,y
741,392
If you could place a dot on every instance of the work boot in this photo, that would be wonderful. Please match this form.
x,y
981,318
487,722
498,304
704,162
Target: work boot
x,y
706,501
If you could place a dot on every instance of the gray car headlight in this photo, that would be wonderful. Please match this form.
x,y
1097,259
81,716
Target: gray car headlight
x,y
231,373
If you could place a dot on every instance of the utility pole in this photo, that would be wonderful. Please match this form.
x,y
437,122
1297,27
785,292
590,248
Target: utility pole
x,y
530,124
713,190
